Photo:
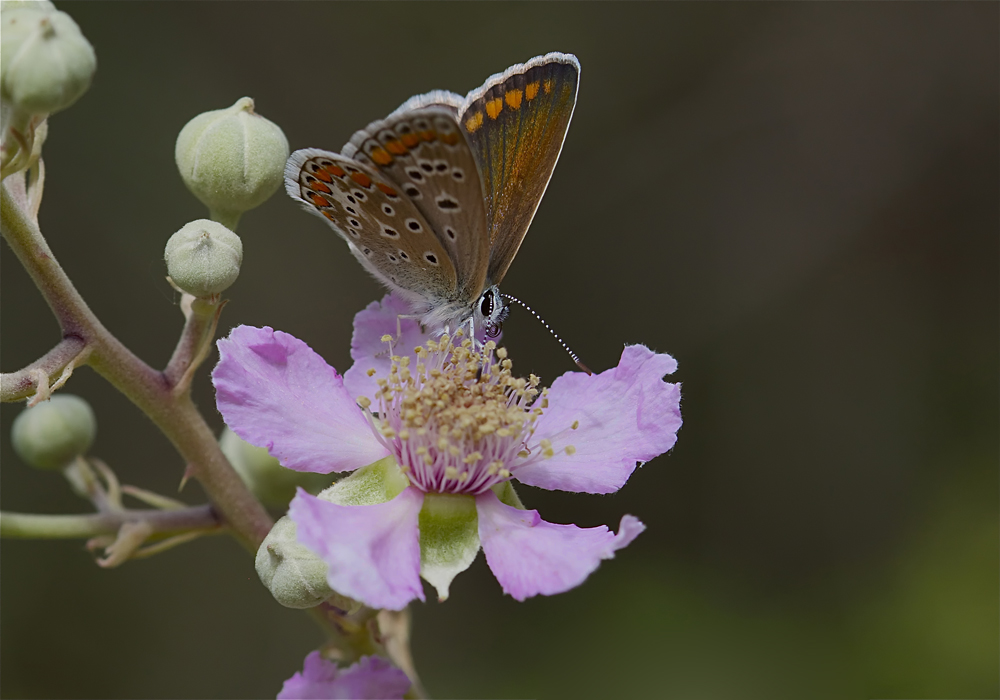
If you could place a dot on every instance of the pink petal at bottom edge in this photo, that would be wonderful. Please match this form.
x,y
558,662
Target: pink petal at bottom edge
x,y
530,556
373,551
372,678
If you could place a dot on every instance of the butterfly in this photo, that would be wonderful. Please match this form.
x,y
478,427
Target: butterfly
x,y
435,199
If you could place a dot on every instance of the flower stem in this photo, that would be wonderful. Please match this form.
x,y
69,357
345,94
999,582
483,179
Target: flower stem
x,y
35,526
148,389
23,383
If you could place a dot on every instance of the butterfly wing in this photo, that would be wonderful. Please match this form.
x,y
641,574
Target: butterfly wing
x,y
516,124
382,226
421,147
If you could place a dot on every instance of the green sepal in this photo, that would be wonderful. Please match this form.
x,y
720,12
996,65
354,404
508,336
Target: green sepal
x,y
507,495
379,482
449,538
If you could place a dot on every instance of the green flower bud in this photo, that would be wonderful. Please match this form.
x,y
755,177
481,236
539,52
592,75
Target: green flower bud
x,y
46,63
55,432
264,476
204,258
295,576
231,159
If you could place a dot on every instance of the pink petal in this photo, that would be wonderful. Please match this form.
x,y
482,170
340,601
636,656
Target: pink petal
x,y
372,677
530,556
274,391
627,414
373,551
367,349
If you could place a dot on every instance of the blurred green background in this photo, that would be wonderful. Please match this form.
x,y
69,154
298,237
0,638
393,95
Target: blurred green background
x,y
798,201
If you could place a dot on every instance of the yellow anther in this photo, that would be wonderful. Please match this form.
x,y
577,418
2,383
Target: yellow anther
x,y
545,403
450,473
576,424
472,457
570,450
502,353
386,338
523,453
548,452
404,434
371,372
422,450
504,474
442,443
463,477
454,451
546,444
405,361
364,401
389,432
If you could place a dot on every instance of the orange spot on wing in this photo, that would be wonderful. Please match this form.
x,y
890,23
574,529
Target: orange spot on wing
x,y
450,138
323,174
474,122
493,107
318,199
395,147
428,135
548,84
386,189
513,98
380,156
320,187
335,170
530,90
328,213
409,140
362,179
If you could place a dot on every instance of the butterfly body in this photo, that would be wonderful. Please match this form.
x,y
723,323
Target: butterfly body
x,y
435,199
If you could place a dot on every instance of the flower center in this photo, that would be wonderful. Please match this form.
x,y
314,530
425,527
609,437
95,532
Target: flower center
x,y
458,422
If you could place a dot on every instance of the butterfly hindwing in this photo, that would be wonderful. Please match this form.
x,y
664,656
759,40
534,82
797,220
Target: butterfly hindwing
x,y
421,147
382,226
516,124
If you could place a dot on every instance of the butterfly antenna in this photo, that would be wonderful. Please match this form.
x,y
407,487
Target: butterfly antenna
x,y
555,335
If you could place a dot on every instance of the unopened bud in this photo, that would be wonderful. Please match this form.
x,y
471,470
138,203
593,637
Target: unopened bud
x,y
272,483
46,63
204,258
55,432
231,159
295,576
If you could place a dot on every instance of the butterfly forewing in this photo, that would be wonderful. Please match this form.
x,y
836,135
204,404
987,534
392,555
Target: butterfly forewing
x,y
516,124
421,147
380,223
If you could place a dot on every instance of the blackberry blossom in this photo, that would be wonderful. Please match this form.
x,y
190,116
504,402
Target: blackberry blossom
x,y
443,429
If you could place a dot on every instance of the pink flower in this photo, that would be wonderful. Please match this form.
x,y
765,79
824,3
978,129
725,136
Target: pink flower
x,y
371,678
458,426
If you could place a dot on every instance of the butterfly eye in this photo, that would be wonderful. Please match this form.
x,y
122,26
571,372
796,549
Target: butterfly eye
x,y
487,307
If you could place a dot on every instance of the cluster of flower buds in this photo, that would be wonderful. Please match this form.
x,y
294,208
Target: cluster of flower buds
x,y
232,160
46,64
